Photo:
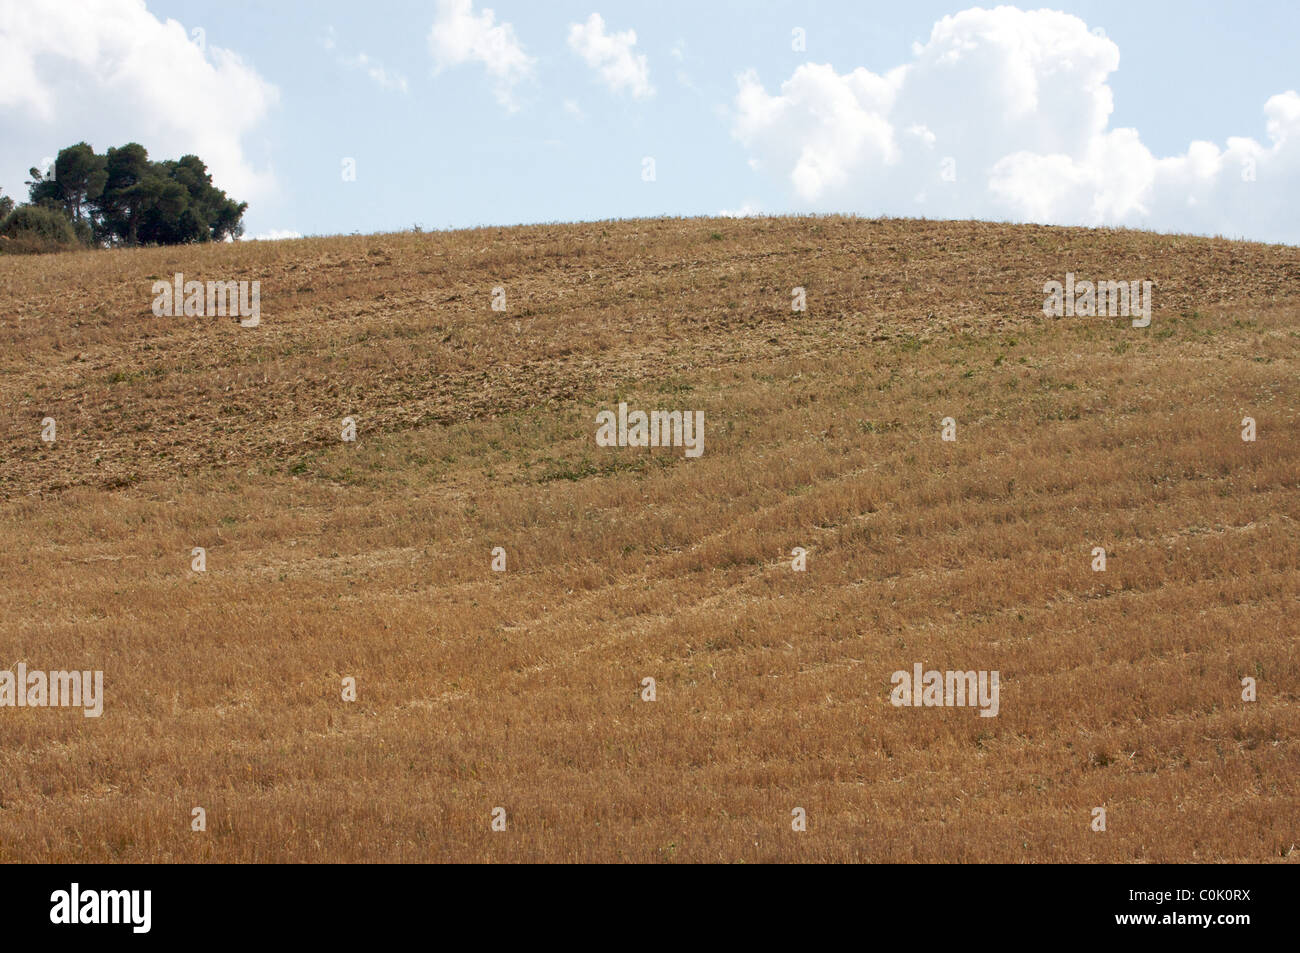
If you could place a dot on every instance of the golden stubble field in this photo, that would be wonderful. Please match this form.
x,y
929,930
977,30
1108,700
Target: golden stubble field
x,y
522,689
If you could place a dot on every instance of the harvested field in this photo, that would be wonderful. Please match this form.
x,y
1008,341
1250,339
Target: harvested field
x,y
522,689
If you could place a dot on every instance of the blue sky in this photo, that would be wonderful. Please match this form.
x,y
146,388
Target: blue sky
x,y
280,94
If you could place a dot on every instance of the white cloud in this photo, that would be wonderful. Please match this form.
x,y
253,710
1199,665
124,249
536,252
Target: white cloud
x,y
574,110
109,72
382,77
376,71
459,37
748,209
274,235
824,128
1005,114
610,54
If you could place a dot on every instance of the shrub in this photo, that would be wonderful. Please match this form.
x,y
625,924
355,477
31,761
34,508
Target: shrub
x,y
31,229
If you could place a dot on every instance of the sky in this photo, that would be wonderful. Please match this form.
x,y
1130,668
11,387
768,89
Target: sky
x,y
337,117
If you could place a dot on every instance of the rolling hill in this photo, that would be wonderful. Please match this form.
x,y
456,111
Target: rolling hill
x,y
524,687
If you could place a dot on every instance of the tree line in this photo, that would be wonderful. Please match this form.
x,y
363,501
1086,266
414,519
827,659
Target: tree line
x,y
118,198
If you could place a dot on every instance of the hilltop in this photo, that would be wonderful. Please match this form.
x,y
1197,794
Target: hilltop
x,y
372,559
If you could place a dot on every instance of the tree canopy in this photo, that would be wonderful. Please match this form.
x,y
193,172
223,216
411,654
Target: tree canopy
x,y
122,197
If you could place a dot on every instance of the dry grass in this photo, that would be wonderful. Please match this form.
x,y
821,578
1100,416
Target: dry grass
x,y
521,689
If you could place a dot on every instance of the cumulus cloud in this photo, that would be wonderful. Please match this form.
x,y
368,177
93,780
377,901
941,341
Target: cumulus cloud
x,y
748,209
274,235
459,36
1005,114
610,55
109,72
